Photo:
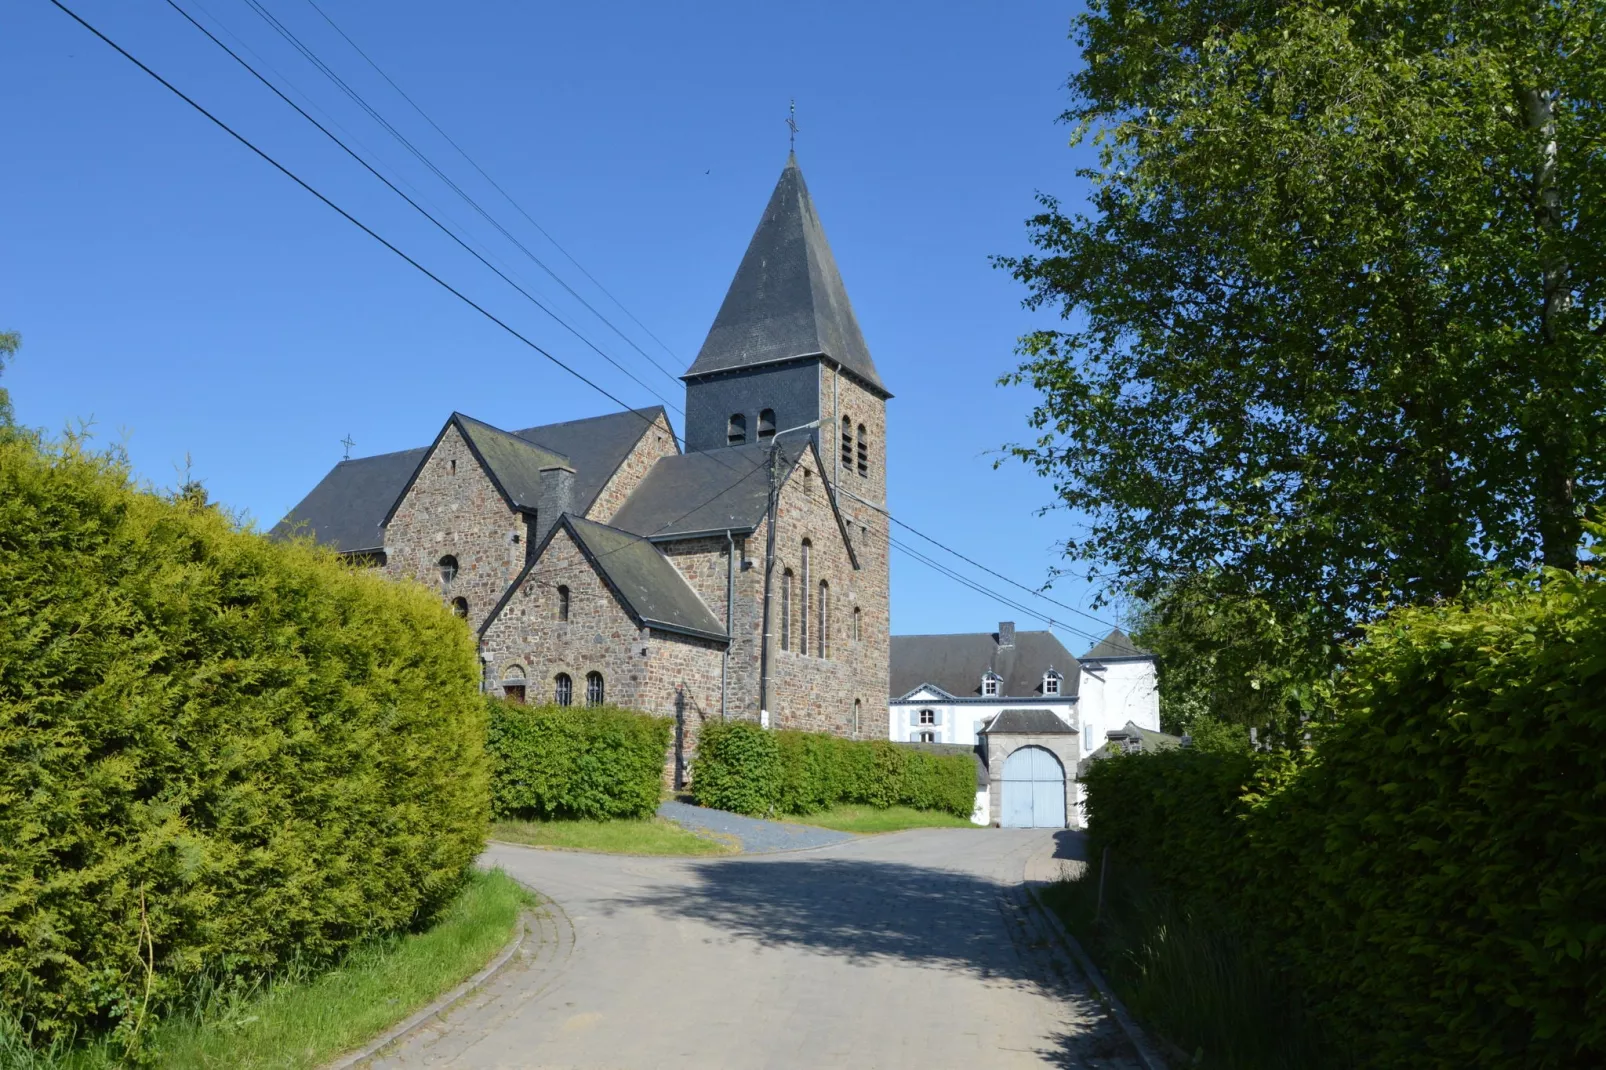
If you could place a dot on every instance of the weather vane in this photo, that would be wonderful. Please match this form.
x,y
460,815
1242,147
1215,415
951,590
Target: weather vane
x,y
791,124
348,443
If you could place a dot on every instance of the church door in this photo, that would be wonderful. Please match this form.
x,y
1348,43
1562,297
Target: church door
x,y
1034,790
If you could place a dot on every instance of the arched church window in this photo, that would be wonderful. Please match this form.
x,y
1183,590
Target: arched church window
x,y
857,616
847,443
513,684
786,610
562,689
563,603
864,453
803,603
808,481
448,567
594,694
766,423
460,608
736,430
825,619
858,707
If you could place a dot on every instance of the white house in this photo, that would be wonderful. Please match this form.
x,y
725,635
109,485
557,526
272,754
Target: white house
x,y
952,688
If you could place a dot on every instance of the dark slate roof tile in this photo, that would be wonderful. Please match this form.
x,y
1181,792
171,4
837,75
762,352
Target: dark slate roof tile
x,y
651,587
345,509
955,663
595,446
1037,722
717,490
1116,645
514,462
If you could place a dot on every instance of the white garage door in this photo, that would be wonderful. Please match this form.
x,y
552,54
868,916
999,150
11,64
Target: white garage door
x,y
1034,790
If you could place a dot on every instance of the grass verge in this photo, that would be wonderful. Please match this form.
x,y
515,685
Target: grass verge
x,y
652,836
303,1018
1201,988
867,819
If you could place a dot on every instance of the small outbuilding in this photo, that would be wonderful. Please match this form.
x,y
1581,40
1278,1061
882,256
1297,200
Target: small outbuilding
x,y
1031,761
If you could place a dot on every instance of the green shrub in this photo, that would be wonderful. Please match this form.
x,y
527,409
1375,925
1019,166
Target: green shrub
x,y
566,761
742,767
1434,870
217,753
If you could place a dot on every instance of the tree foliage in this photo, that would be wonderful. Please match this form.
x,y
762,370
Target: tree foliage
x,y
1335,307
10,342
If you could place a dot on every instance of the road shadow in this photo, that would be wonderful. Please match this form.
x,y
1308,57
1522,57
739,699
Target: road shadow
x,y
874,912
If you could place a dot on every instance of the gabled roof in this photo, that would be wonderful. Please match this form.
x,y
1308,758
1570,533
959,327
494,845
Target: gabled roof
x,y
1038,722
1116,645
513,463
712,490
595,446
347,509
787,299
955,663
652,590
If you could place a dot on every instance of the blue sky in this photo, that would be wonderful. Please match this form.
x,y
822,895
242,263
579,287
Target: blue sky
x,y
175,290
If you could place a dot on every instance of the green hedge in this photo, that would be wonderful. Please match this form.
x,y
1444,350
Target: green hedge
x,y
746,769
216,752
565,761
1433,871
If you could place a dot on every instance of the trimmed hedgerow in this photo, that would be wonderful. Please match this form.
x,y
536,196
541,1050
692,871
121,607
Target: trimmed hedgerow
x,y
217,752
562,761
1433,872
749,770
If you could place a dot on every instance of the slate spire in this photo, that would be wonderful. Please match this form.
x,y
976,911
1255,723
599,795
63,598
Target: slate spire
x,y
787,299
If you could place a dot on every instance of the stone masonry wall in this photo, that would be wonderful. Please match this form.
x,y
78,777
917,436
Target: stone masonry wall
x,y
454,509
655,442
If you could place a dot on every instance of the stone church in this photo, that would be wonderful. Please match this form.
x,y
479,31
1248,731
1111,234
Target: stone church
x,y
740,575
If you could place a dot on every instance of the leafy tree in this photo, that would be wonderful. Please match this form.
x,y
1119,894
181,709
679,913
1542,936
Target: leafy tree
x,y
1335,312
10,342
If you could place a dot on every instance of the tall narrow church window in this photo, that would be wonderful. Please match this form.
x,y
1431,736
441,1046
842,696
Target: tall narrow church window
x,y
562,689
858,707
857,616
864,453
460,608
808,481
825,620
803,603
448,567
847,443
766,423
736,430
451,466
594,694
563,603
786,610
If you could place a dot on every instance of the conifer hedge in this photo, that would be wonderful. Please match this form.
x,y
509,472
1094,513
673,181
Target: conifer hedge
x,y
562,761
217,752
1433,872
750,770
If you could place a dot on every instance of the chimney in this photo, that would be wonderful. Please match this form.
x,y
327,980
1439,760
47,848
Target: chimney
x,y
1006,633
555,497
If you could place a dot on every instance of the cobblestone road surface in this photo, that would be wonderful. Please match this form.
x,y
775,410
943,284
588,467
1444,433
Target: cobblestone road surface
x,y
755,835
905,950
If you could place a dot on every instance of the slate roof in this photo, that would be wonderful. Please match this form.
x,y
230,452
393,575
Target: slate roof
x,y
1148,741
514,462
693,493
787,299
955,663
596,446
1036,722
347,507
1116,645
654,591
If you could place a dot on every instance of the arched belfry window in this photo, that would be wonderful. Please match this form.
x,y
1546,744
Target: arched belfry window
x,y
562,689
563,603
766,423
736,430
448,567
847,443
786,610
864,453
594,693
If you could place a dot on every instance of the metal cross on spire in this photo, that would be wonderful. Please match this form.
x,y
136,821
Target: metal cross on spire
x,y
348,443
791,124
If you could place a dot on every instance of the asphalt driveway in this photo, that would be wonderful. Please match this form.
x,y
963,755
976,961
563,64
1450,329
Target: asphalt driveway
x,y
905,950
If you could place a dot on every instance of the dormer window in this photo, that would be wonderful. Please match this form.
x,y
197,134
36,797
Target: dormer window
x,y
766,423
989,684
736,430
1051,682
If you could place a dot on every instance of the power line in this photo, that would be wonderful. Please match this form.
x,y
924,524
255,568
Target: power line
x,y
420,209
496,186
357,98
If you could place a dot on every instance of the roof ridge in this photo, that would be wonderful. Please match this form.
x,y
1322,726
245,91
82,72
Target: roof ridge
x,y
587,419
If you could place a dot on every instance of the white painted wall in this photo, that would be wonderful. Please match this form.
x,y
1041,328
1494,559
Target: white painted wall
x,y
958,722
1109,694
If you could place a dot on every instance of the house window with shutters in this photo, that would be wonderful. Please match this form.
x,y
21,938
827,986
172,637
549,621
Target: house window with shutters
x,y
928,737
925,726
928,716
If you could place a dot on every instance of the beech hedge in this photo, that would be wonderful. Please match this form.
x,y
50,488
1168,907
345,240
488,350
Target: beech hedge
x,y
217,752
1433,871
750,770
565,761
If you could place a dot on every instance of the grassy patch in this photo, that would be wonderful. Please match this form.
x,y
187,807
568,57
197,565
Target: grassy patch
x,y
851,818
651,836
1199,986
303,1018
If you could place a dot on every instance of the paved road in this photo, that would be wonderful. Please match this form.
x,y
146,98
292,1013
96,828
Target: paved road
x,y
907,950
756,835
